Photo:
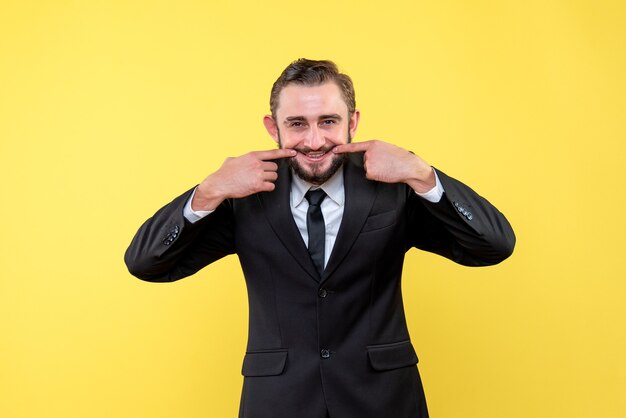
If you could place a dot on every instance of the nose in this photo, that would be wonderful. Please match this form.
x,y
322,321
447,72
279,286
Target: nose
x,y
314,138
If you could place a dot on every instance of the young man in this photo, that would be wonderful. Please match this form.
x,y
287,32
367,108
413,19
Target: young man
x,y
321,226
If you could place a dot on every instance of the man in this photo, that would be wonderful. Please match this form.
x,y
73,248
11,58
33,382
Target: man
x,y
321,226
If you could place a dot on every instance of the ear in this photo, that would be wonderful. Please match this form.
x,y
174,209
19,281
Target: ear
x,y
272,128
354,122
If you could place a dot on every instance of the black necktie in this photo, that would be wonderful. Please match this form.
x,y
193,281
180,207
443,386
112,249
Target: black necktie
x,y
315,227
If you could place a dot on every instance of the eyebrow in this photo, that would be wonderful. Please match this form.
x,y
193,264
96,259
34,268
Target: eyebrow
x,y
295,118
333,116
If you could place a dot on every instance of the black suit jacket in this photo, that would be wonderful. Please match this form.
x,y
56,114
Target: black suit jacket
x,y
340,342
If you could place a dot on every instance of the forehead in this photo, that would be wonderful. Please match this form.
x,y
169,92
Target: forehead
x,y
310,101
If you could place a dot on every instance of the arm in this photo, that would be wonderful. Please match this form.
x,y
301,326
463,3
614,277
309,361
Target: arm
x,y
461,226
169,247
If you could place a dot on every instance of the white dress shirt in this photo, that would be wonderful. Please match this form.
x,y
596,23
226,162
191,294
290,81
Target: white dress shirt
x,y
332,206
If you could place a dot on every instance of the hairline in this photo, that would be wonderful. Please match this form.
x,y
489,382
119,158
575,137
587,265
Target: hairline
x,y
312,84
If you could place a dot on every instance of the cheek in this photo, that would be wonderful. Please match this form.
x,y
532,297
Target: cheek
x,y
289,142
285,140
339,136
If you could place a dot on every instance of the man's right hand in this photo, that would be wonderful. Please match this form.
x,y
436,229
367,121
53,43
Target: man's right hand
x,y
239,177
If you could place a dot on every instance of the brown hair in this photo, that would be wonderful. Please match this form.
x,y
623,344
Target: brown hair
x,y
313,73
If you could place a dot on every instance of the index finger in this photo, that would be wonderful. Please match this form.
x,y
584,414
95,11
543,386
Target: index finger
x,y
352,147
274,154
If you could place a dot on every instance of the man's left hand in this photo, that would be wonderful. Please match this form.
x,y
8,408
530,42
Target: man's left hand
x,y
389,163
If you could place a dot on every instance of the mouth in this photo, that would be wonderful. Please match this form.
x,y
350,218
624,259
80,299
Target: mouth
x,y
317,155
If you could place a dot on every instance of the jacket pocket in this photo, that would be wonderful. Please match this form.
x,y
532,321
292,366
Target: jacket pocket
x,y
264,363
379,221
392,356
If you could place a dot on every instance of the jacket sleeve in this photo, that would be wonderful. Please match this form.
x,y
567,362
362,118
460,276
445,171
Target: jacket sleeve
x,y
462,226
168,247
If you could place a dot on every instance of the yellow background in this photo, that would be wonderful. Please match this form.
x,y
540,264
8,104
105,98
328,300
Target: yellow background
x,y
109,109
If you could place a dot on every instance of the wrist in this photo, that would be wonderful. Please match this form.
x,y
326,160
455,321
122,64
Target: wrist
x,y
423,180
207,197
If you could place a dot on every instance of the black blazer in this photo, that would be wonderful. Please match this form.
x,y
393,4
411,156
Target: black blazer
x,y
338,343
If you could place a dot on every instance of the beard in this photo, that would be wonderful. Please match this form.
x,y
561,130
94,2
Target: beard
x,y
315,174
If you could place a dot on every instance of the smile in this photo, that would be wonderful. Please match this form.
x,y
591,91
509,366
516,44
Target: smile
x,y
317,155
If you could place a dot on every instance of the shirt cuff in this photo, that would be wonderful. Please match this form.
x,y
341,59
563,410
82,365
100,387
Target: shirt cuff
x,y
191,215
434,194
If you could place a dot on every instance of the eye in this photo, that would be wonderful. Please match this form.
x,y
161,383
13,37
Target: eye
x,y
295,124
328,122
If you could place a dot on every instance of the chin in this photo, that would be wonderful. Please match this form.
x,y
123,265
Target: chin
x,y
316,173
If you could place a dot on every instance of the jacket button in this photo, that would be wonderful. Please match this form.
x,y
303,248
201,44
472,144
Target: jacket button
x,y
325,354
322,293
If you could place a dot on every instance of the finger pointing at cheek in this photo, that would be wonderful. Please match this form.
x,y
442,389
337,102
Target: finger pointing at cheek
x,y
352,147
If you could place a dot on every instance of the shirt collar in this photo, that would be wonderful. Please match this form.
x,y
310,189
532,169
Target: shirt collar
x,y
333,188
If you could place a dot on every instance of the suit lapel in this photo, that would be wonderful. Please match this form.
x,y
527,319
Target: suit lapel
x,y
360,195
277,209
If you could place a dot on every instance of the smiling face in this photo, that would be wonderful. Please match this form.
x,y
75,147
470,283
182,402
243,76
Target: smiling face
x,y
312,120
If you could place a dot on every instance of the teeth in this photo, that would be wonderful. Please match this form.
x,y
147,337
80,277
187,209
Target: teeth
x,y
315,154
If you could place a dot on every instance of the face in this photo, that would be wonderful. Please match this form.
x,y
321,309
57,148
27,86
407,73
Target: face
x,y
312,120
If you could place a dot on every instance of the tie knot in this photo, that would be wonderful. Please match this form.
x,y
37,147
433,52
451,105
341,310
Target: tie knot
x,y
315,197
